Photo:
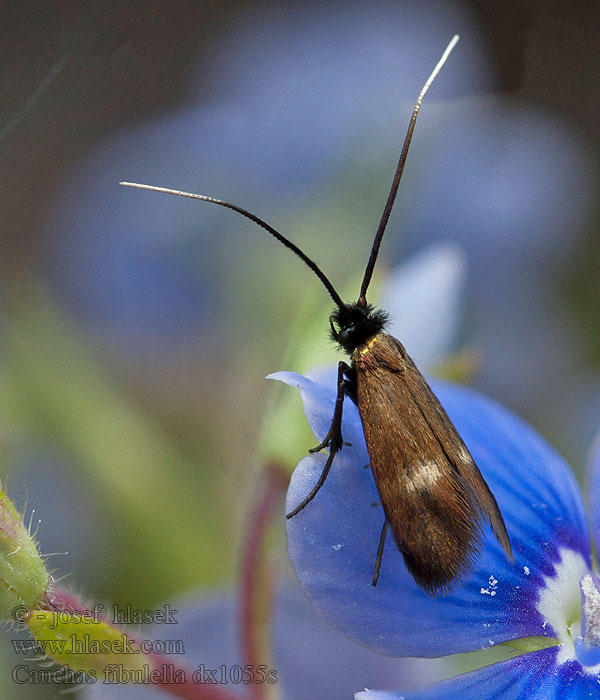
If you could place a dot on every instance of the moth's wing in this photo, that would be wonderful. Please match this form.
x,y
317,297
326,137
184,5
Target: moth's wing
x,y
460,457
432,493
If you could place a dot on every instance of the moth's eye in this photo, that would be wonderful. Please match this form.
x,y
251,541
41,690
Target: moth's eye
x,y
347,331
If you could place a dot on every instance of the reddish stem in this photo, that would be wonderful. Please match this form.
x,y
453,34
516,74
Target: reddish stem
x,y
256,585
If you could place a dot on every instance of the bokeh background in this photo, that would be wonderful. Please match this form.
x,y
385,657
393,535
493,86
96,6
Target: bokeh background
x,y
136,330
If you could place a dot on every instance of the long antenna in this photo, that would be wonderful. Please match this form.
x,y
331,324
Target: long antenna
x,y
362,299
279,236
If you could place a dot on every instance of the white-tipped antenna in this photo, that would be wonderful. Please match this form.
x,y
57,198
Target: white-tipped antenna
x,y
294,248
263,224
437,69
387,210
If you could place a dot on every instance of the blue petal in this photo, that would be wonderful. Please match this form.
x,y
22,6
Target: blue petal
x,y
318,400
424,299
310,659
332,543
533,676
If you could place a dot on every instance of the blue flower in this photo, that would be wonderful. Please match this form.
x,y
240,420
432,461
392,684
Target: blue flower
x,y
546,603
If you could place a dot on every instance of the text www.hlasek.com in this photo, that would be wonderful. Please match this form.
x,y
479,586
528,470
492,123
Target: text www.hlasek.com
x,y
88,645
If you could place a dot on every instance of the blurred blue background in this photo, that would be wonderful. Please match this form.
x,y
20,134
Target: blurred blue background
x,y
136,329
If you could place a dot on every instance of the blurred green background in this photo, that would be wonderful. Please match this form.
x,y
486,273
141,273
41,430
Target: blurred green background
x,y
136,330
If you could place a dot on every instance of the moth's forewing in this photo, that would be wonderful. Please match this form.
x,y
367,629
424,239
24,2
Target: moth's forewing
x,y
431,490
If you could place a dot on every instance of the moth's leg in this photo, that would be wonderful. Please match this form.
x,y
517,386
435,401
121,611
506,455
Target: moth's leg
x,y
317,486
333,439
384,531
350,392
350,384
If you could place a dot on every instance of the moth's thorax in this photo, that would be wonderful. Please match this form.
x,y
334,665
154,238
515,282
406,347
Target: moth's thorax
x,y
354,325
380,351
365,348
363,354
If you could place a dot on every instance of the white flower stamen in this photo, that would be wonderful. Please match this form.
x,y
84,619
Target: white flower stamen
x,y
587,644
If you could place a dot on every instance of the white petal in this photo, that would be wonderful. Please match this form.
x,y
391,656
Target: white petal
x,y
424,298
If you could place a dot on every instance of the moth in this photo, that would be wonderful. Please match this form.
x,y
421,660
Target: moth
x,y
433,495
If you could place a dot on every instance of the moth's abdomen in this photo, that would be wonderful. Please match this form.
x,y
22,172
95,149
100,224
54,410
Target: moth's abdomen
x,y
435,526
432,493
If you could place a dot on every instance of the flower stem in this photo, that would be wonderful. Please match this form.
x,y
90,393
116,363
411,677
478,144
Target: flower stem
x,y
257,585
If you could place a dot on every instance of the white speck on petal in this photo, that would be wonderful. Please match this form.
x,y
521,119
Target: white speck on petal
x,y
526,570
337,547
492,586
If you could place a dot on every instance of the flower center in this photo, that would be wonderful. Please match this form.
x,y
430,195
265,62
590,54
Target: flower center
x,y
570,603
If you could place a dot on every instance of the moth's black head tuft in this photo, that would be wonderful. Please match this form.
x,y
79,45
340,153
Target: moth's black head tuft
x,y
354,324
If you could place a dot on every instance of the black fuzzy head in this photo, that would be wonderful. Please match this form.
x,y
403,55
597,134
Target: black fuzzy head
x,y
353,324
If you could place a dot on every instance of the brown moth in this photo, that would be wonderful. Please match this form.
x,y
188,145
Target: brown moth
x,y
433,495
433,502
